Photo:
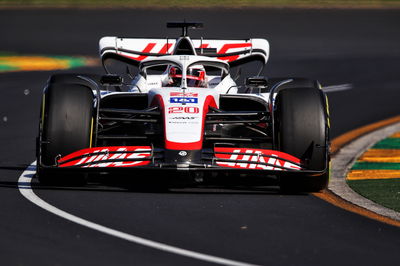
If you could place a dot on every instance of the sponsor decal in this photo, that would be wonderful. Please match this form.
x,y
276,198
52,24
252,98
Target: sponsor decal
x,y
245,158
184,120
184,94
97,157
182,153
183,100
184,117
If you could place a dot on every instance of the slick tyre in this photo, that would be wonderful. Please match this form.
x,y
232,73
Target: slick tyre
x,y
302,131
66,126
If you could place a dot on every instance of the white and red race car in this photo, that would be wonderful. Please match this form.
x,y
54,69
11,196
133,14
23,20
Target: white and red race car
x,y
181,110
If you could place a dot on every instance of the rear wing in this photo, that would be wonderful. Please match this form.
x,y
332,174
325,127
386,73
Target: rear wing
x,y
135,50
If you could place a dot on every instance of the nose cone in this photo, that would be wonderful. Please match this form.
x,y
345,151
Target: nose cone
x,y
184,113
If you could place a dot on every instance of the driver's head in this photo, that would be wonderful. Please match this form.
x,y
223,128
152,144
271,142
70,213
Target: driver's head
x,y
196,77
175,76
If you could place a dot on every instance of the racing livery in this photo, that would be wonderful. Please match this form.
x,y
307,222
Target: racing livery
x,y
174,105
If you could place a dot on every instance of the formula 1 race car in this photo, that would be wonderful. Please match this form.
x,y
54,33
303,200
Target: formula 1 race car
x,y
172,105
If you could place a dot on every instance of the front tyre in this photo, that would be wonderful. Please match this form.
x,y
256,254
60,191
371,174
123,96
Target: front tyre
x,y
66,126
302,130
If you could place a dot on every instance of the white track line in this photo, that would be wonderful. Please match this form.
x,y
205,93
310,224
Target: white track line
x,y
335,88
24,186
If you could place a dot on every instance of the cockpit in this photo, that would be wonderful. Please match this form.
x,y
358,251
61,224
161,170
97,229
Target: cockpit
x,y
195,77
183,71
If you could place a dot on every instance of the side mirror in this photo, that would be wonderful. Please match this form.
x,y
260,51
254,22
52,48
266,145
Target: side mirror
x,y
256,81
256,84
113,80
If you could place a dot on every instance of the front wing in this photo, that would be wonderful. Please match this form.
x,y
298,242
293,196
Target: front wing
x,y
220,159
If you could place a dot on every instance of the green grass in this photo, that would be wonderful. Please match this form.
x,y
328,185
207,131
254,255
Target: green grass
x,y
385,192
389,143
7,68
375,166
72,61
205,3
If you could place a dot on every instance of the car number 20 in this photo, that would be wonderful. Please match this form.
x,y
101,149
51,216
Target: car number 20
x,y
183,110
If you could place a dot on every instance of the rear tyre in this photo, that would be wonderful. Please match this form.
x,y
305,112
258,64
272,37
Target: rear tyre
x,y
302,131
65,127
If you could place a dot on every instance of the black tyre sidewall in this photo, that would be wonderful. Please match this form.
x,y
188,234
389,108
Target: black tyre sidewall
x,y
302,131
302,125
67,122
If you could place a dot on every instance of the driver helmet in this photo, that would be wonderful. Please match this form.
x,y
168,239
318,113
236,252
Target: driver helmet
x,y
196,77
174,77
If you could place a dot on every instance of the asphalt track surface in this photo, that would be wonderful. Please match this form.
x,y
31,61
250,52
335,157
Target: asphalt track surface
x,y
257,226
